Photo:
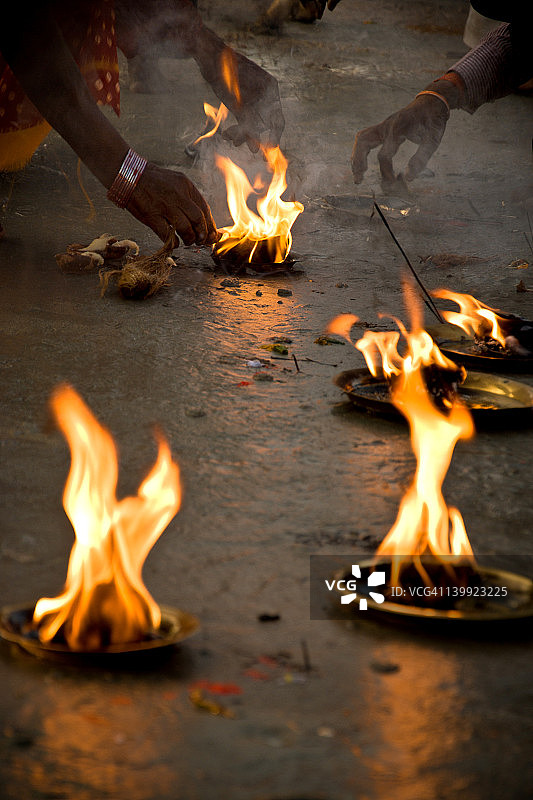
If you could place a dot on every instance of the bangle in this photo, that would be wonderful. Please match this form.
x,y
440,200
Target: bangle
x,y
435,94
126,179
454,78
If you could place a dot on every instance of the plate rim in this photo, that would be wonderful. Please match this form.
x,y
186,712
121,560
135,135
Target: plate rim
x,y
182,624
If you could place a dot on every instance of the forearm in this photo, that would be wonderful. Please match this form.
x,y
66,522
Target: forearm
x,y
487,70
35,50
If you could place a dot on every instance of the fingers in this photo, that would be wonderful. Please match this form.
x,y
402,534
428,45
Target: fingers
x,y
277,126
423,122
426,149
391,145
164,199
257,129
235,134
365,141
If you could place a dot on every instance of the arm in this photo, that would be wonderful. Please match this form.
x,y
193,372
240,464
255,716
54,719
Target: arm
x,y
258,108
486,73
34,48
256,103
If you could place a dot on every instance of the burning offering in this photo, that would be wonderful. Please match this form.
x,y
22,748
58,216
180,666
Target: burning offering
x,y
105,606
492,400
261,239
429,562
496,339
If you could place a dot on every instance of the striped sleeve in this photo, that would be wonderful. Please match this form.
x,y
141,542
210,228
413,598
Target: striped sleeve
x,y
487,70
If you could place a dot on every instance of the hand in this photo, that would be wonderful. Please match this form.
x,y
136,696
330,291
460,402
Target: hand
x,y
164,199
259,116
423,122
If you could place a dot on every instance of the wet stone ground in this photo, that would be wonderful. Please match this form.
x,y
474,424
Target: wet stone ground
x,y
273,470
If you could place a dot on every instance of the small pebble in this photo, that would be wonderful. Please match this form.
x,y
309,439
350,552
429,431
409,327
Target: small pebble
x,y
194,412
384,667
341,285
266,617
259,293
230,282
285,292
262,376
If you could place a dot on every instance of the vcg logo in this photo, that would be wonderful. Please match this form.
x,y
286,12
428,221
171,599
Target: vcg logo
x,y
349,585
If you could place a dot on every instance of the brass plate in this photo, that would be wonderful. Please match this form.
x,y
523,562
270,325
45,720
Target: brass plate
x,y
175,626
455,344
492,399
516,605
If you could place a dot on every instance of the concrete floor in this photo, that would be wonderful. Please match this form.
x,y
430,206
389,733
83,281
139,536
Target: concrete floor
x,y
272,472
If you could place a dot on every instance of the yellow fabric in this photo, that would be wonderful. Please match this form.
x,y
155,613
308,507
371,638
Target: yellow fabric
x,y
17,147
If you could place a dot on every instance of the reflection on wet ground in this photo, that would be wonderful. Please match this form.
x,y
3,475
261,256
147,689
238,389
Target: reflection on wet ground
x,y
273,470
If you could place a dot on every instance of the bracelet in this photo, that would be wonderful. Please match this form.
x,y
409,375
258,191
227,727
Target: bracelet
x,y
126,179
454,78
434,94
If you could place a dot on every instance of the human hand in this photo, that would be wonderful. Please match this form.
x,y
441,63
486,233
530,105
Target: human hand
x,y
423,122
163,199
260,120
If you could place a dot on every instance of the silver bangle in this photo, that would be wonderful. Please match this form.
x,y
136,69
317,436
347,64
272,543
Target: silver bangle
x,y
126,179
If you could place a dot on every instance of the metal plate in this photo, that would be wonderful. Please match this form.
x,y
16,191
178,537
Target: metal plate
x,y
460,348
175,626
492,399
517,605
264,269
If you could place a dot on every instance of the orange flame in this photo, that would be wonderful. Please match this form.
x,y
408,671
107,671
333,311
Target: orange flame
x,y
105,600
217,116
267,233
228,64
475,318
424,525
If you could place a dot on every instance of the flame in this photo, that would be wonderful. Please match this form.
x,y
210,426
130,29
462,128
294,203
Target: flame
x,y
475,318
425,525
217,116
105,600
267,234
264,236
228,64
380,348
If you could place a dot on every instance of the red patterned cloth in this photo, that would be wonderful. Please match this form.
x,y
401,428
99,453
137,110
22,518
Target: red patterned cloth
x,y
92,41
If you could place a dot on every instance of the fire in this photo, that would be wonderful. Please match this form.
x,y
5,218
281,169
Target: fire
x,y
475,318
105,600
425,525
230,76
217,116
265,236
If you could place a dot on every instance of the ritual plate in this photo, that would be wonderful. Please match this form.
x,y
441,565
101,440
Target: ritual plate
x,y
464,350
15,626
235,266
493,400
499,596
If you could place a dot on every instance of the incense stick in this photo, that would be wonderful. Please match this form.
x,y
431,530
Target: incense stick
x,y
429,302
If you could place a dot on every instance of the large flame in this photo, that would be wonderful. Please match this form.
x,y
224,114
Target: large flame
x,y
267,234
474,317
425,525
105,600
